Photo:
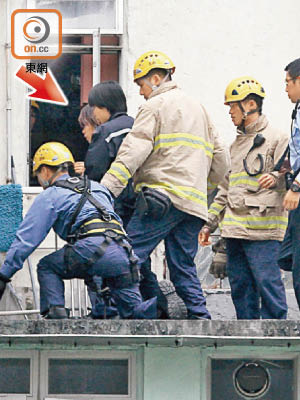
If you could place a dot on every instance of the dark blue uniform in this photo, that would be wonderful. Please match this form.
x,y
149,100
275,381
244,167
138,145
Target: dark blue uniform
x,y
54,207
102,152
289,257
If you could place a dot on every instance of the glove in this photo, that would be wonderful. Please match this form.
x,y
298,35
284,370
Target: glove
x,y
218,265
3,282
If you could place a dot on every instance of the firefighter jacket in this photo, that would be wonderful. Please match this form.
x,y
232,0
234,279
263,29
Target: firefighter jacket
x,y
248,211
174,148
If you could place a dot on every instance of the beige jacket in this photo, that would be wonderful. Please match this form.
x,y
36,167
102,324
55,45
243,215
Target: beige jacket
x,y
246,210
174,148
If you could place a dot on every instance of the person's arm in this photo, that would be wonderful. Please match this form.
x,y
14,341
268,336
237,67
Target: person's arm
x,y
220,162
215,212
134,150
32,231
274,179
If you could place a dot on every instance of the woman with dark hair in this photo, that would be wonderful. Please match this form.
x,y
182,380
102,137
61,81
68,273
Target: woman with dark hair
x,y
105,123
88,125
110,112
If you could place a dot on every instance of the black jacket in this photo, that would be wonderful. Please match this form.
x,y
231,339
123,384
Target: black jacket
x,y
102,152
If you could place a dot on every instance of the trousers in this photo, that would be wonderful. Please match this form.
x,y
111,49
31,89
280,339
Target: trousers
x,y
257,290
179,231
289,256
52,271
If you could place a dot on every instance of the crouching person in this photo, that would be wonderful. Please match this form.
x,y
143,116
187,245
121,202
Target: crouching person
x,y
81,212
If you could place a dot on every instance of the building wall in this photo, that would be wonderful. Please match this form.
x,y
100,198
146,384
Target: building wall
x,y
212,42
159,372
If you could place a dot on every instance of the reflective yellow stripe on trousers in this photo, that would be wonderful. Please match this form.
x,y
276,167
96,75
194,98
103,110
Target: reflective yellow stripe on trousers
x,y
183,139
184,192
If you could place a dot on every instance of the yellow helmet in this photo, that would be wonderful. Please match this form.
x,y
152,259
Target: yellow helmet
x,y
53,154
150,60
240,88
33,103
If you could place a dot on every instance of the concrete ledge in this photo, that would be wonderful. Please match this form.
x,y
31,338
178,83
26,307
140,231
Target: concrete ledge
x,y
129,332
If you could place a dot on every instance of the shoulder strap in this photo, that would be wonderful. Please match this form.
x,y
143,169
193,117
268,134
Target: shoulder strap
x,y
83,199
82,186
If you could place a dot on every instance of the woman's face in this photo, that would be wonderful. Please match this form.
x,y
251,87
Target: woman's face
x,y
88,131
101,114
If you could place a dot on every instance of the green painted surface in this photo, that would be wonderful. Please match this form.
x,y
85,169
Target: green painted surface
x,y
171,373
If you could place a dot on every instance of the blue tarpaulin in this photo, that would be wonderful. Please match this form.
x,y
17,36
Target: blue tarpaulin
x,y
11,209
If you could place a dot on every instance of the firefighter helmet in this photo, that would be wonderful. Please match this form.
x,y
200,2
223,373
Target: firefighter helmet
x,y
150,60
52,154
238,89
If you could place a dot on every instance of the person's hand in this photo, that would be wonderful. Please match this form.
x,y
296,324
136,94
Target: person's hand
x,y
267,181
291,200
79,167
203,237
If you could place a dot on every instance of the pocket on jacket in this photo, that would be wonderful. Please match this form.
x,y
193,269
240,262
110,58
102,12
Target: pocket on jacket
x,y
263,201
236,200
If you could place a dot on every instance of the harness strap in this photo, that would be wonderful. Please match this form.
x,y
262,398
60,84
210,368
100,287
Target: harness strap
x,y
79,206
117,282
81,186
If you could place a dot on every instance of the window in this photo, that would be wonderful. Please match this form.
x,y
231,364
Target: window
x,y
252,379
92,14
99,374
79,376
18,374
15,375
74,70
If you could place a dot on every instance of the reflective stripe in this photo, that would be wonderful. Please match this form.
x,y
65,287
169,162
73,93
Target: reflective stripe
x,y
215,208
184,192
120,172
100,230
242,178
96,220
117,133
271,222
183,139
211,185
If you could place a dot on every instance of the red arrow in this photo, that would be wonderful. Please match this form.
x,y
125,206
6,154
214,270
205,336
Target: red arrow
x,y
46,89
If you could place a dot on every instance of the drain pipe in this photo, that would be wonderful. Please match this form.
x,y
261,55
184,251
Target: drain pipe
x,y
8,94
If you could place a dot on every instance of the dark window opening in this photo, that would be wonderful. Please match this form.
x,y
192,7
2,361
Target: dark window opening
x,y
83,376
15,375
73,71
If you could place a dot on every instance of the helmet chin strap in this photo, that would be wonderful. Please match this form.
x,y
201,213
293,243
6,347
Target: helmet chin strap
x,y
155,87
245,115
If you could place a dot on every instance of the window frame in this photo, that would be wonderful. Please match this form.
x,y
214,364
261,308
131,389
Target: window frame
x,y
248,354
34,373
88,354
118,30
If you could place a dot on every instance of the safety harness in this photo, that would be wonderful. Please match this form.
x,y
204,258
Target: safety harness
x,y
100,224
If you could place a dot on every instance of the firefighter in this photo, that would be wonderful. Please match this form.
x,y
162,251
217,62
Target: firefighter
x,y
81,212
289,258
171,152
250,201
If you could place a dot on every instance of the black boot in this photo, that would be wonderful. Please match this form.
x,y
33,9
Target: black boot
x,y
57,312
